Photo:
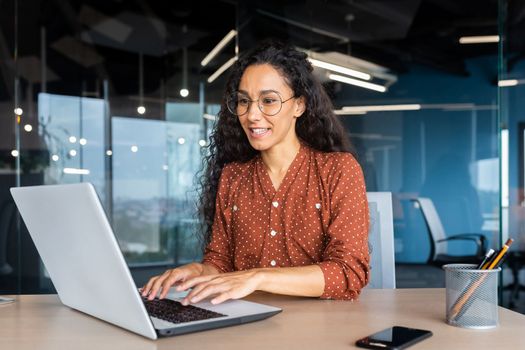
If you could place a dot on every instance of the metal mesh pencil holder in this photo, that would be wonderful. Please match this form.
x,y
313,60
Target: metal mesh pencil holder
x,y
471,296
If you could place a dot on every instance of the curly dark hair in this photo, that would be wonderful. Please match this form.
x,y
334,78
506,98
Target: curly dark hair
x,y
318,127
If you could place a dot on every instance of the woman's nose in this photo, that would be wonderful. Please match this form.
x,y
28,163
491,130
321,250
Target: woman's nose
x,y
254,113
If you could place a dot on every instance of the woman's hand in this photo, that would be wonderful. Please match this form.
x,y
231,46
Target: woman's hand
x,y
174,276
234,285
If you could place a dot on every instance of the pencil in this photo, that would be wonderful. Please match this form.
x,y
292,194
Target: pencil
x,y
502,252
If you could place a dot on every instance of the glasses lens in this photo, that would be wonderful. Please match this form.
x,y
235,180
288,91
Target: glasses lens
x,y
238,103
270,103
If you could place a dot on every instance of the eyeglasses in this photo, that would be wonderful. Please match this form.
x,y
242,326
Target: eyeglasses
x,y
269,103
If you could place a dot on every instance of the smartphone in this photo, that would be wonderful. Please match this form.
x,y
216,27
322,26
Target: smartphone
x,y
393,338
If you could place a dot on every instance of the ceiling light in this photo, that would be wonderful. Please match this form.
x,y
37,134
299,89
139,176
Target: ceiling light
x,y
343,112
508,82
72,139
76,171
181,140
82,141
109,152
134,149
72,153
222,68
28,127
141,109
340,69
218,47
202,143
356,82
184,90
481,39
55,158
15,153
378,108
18,111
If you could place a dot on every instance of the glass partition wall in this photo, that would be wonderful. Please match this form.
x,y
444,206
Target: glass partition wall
x,y
123,95
512,88
113,94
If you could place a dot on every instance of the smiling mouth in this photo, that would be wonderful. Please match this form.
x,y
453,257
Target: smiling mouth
x,y
259,131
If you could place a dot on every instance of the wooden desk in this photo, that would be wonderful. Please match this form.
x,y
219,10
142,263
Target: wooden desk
x,y
41,322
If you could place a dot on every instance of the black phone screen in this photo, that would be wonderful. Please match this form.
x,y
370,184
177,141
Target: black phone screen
x,y
394,338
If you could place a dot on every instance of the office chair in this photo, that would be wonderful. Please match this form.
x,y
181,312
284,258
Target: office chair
x,y
516,262
438,239
381,241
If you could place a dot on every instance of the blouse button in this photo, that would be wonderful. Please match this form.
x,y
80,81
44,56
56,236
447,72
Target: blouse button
x,y
318,205
273,263
273,233
275,204
234,208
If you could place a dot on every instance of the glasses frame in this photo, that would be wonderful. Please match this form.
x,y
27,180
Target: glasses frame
x,y
258,104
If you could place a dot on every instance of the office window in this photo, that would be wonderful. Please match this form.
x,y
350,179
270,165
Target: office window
x,y
154,193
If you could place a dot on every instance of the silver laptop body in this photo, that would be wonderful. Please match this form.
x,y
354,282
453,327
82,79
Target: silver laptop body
x,y
81,254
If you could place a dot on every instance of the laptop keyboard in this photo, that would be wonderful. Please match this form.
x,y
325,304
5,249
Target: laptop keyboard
x,y
175,312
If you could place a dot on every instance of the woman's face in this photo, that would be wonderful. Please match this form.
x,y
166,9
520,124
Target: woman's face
x,y
265,131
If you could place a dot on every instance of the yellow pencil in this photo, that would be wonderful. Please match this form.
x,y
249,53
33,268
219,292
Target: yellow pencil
x,y
494,262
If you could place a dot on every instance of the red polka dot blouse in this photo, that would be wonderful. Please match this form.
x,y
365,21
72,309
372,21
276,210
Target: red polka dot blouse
x,y
319,215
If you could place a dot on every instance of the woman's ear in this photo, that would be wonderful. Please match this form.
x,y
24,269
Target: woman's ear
x,y
300,106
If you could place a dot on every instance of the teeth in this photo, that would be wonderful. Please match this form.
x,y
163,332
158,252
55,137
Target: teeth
x,y
260,131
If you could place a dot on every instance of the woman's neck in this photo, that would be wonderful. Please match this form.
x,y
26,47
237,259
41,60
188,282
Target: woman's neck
x,y
278,158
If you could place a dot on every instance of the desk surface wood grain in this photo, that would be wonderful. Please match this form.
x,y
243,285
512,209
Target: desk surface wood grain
x,y
41,322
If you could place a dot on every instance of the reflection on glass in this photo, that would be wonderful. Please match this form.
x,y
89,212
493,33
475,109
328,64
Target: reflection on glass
x,y
153,189
61,118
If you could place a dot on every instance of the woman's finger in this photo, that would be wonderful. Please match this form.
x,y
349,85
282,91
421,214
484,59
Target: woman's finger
x,y
194,291
206,291
222,297
157,284
194,281
174,277
147,287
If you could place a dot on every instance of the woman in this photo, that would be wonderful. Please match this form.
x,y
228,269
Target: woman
x,y
283,201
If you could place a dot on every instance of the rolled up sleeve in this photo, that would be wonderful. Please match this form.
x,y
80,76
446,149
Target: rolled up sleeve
x,y
346,258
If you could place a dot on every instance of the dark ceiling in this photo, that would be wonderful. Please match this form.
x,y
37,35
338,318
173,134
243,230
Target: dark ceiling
x,y
88,41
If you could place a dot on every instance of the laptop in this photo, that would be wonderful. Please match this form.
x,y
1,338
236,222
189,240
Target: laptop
x,y
81,254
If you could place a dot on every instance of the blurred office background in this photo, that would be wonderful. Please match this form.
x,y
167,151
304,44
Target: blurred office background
x,y
119,93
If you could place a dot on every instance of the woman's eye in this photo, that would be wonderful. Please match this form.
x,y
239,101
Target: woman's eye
x,y
269,101
243,101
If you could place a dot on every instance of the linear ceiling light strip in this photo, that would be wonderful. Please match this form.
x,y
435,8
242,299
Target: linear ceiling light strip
x,y
215,51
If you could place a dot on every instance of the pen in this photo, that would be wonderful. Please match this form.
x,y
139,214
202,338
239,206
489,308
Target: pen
x,y
486,258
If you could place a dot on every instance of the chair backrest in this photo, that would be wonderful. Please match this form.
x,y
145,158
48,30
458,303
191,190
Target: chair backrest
x,y
434,225
381,241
